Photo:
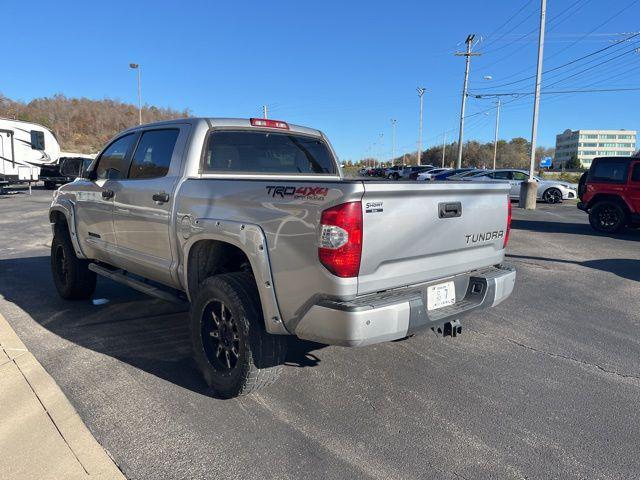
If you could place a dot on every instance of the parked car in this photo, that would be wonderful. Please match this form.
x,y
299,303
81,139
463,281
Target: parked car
x,y
466,173
413,172
251,221
549,191
610,193
429,174
449,173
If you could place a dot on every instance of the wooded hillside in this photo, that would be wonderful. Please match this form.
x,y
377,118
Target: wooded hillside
x,y
83,125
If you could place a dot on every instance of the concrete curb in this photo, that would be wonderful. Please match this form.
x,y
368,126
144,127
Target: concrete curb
x,y
41,434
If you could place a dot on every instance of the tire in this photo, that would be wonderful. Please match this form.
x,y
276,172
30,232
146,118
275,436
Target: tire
x,y
582,185
552,196
49,185
607,217
234,353
71,275
396,176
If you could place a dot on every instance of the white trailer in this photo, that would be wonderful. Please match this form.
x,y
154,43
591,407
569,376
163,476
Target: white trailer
x,y
24,148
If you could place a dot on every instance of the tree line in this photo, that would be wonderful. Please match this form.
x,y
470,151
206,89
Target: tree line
x,y
81,124
514,153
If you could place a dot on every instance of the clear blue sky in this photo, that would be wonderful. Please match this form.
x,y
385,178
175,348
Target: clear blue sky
x,y
345,67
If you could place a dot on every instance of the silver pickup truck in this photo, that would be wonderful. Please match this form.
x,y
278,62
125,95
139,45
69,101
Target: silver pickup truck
x,y
253,223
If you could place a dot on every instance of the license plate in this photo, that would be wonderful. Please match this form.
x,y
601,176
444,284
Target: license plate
x,y
441,295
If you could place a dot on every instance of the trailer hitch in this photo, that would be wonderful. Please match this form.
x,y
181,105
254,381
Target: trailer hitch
x,y
449,329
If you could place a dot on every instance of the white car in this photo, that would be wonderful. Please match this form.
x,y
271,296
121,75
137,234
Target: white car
x,y
428,175
550,191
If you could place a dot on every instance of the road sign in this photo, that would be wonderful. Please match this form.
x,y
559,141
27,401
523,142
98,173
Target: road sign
x,y
545,162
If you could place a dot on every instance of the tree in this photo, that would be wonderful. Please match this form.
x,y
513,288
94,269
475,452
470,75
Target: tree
x,y
573,163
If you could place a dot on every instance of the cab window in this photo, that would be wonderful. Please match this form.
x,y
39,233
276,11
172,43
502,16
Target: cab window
x,y
114,162
153,154
635,173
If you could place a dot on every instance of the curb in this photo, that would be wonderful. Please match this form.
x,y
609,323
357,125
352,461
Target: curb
x,y
91,457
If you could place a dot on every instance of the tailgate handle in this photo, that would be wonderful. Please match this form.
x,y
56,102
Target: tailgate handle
x,y
450,210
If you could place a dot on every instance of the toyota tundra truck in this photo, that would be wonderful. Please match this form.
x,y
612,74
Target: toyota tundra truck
x,y
253,223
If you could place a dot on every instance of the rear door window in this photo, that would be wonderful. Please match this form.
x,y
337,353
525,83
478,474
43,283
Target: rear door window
x,y
267,153
114,162
609,170
635,173
519,176
153,154
502,175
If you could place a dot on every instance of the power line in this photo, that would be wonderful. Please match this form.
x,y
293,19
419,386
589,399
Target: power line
x,y
508,20
600,25
564,64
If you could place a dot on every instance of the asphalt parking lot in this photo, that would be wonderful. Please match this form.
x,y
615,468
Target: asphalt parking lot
x,y
547,385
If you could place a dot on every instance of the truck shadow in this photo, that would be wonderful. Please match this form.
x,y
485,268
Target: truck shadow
x,y
146,333
571,228
623,267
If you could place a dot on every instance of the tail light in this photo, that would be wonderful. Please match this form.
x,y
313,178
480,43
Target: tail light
x,y
265,122
506,235
340,242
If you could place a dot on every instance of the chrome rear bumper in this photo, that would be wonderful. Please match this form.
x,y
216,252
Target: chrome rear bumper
x,y
398,313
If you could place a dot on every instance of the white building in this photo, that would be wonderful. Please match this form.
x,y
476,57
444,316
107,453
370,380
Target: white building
x,y
588,144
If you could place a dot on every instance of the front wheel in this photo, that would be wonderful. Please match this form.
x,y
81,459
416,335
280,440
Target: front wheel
x,y
71,275
230,345
607,217
552,195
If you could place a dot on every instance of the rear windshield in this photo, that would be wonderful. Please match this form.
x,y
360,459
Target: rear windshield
x,y
609,170
267,152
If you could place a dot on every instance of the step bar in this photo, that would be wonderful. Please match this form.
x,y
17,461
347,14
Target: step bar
x,y
121,276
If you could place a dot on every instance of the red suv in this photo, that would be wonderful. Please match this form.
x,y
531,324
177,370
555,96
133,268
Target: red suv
x,y
610,193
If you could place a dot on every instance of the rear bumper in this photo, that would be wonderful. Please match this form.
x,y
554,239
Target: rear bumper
x,y
393,315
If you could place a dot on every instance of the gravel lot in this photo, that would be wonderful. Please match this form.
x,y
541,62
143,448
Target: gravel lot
x,y
547,385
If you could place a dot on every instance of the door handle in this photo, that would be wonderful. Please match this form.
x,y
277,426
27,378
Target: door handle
x,y
107,194
161,197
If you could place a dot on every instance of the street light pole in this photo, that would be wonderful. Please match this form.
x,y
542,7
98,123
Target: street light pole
x,y
136,66
528,188
419,156
468,55
444,146
393,141
495,138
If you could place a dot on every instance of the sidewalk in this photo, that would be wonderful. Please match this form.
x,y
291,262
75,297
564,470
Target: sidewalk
x,y
41,435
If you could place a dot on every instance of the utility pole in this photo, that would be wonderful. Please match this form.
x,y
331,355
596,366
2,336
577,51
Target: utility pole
x,y
265,112
528,188
136,66
381,148
419,157
393,141
468,55
495,138
444,146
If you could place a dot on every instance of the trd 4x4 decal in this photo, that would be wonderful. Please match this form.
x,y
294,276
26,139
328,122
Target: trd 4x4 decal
x,y
298,193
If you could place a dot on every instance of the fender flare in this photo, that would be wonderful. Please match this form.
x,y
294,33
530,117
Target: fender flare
x,y
66,207
251,240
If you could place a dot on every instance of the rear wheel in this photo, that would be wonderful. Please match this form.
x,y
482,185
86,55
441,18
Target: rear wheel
x,y
71,275
396,176
608,217
552,195
231,347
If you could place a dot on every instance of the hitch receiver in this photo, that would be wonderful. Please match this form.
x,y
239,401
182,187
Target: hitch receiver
x,y
452,328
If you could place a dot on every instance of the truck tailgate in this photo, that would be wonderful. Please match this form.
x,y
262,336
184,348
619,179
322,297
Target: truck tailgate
x,y
418,232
